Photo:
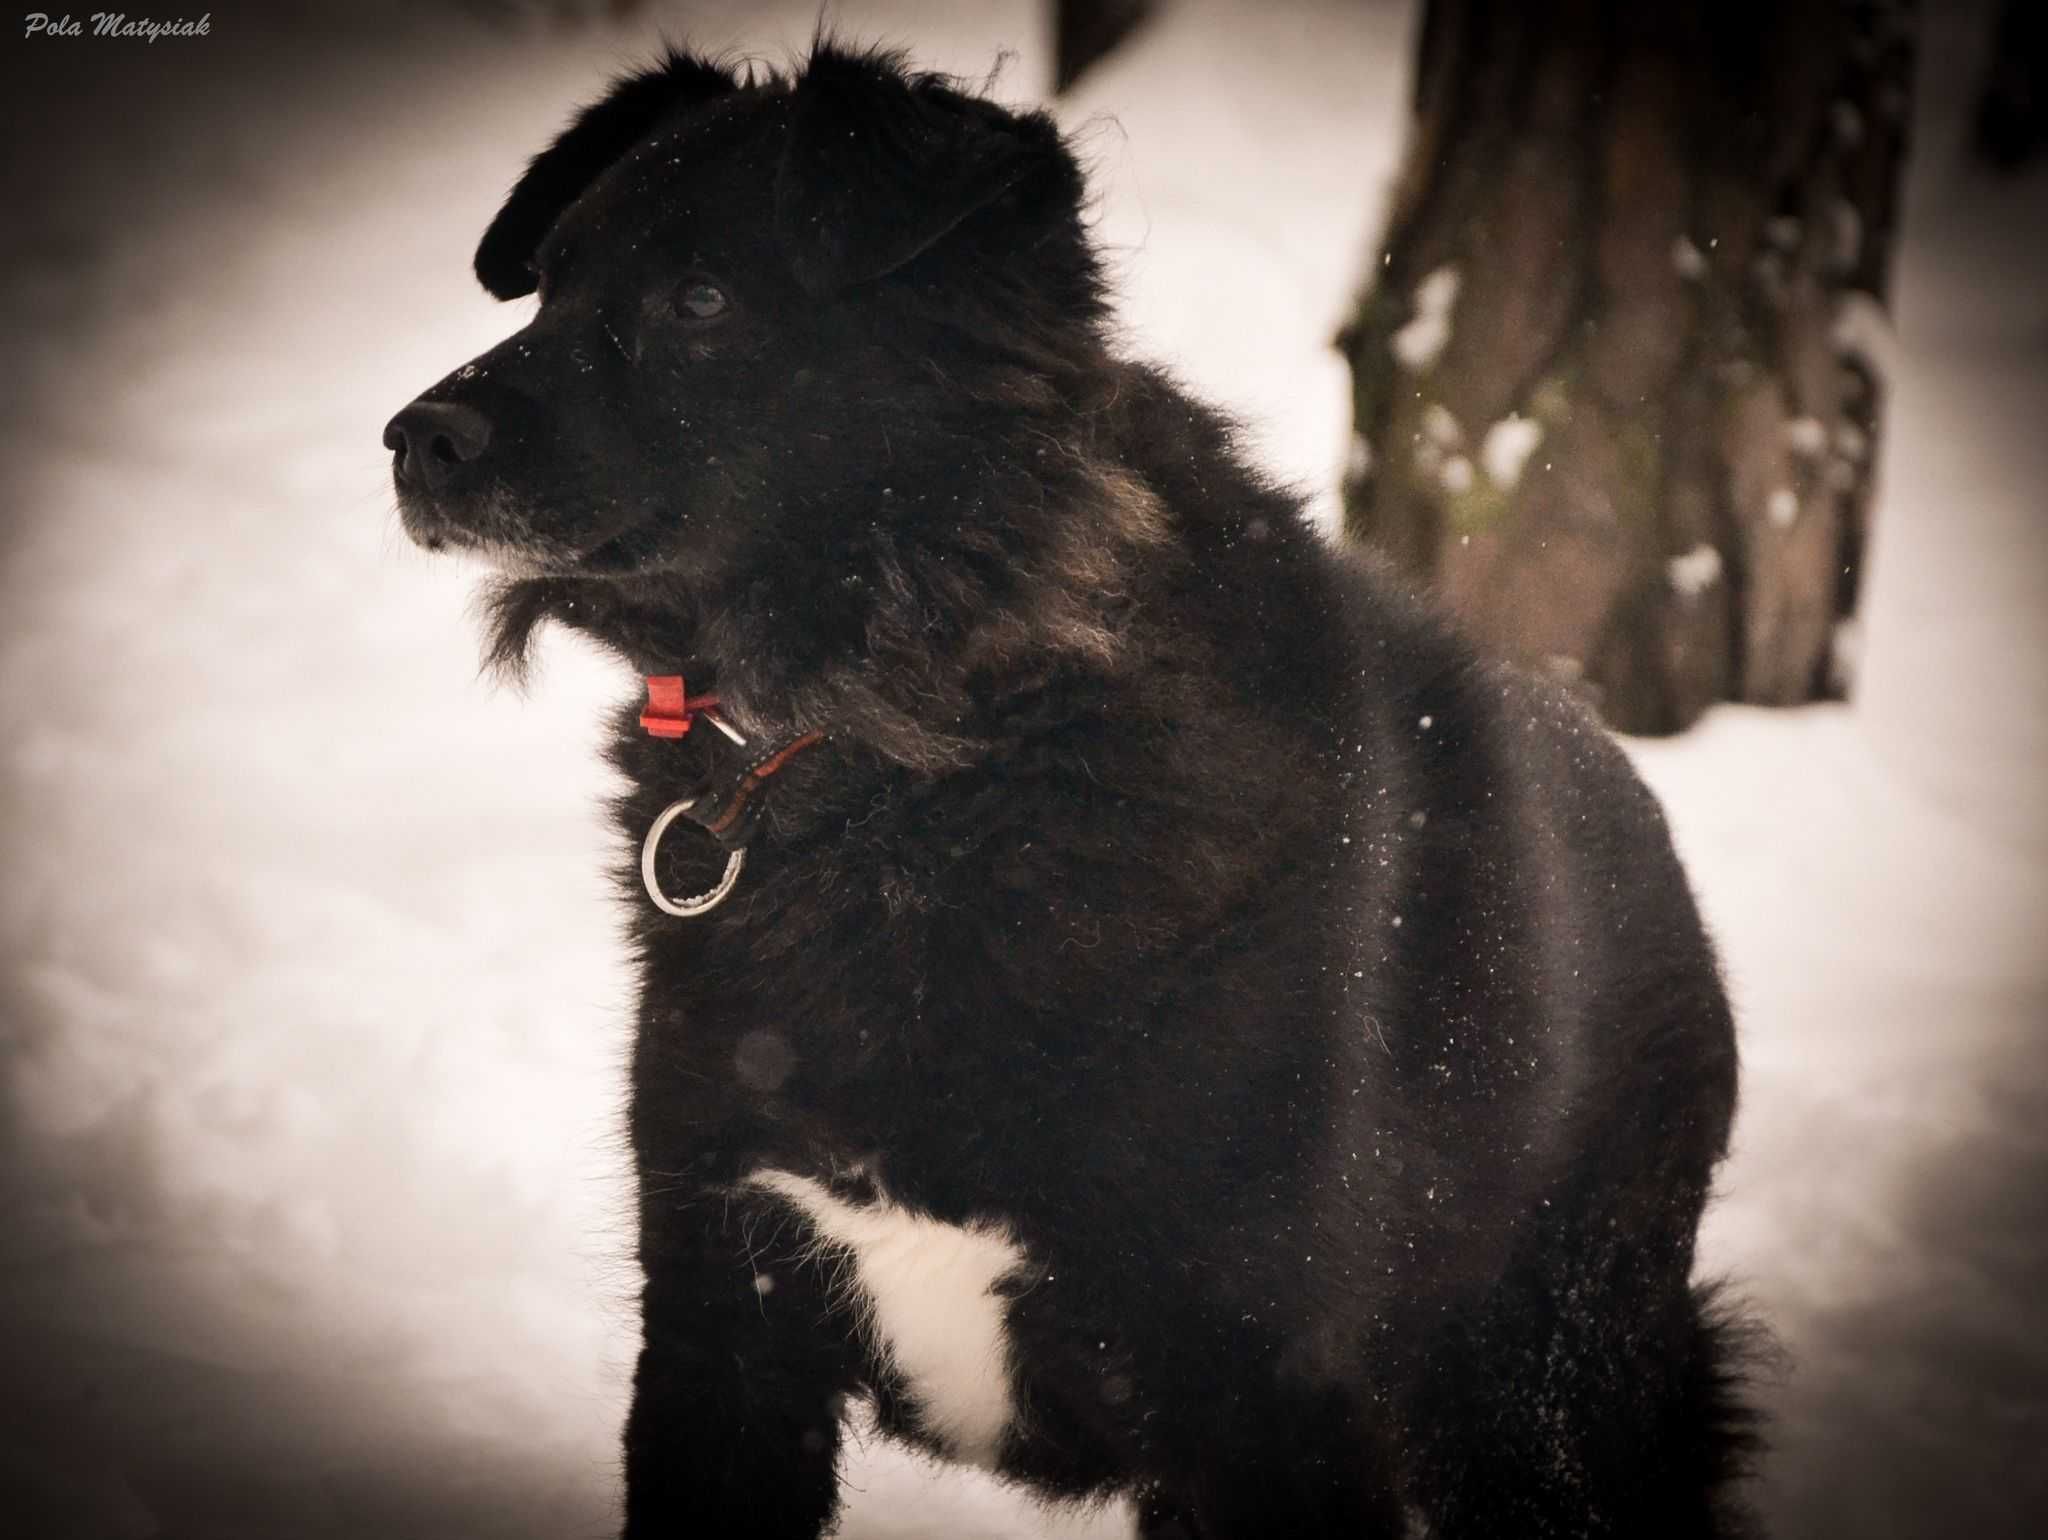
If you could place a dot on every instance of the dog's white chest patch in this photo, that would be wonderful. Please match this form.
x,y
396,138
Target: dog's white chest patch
x,y
926,1294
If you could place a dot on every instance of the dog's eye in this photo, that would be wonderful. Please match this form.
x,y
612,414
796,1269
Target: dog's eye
x,y
701,301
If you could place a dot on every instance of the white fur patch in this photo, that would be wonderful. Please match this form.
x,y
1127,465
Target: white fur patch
x,y
926,1298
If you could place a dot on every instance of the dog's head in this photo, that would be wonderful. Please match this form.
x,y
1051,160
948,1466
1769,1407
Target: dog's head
x,y
745,286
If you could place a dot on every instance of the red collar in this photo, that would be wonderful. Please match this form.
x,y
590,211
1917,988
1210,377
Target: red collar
x,y
671,710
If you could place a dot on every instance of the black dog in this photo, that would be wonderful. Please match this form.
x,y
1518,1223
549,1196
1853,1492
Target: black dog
x,y
1182,1025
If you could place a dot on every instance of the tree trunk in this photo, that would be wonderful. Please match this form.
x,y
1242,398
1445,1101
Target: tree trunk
x,y
2012,109
1615,378
1085,31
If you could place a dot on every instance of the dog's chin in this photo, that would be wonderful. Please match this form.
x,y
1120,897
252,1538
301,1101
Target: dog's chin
x,y
641,614
619,588
504,560
513,553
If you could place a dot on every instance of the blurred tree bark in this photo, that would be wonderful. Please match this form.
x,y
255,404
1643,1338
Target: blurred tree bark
x,y
1615,378
2012,115
1085,31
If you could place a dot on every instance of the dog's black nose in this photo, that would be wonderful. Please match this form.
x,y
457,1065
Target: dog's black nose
x,y
433,442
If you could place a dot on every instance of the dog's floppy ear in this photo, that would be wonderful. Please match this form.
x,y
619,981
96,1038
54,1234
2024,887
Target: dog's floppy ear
x,y
600,134
881,166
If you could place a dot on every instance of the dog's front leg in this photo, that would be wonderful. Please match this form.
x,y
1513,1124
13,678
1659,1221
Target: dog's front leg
x,y
746,1363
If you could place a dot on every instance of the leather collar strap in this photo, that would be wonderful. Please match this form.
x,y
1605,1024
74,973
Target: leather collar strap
x,y
723,810
726,816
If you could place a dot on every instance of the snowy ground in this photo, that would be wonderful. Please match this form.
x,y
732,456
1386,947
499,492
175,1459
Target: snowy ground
x,y
310,1198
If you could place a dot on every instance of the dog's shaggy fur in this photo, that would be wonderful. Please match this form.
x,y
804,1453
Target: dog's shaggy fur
x,y
1190,1029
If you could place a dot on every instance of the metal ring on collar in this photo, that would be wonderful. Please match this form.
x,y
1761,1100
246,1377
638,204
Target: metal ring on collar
x,y
704,902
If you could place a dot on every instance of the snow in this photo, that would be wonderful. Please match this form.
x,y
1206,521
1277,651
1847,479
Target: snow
x,y
1782,507
1421,342
312,992
1807,436
1437,293
1687,260
1695,571
1863,330
1358,462
1506,448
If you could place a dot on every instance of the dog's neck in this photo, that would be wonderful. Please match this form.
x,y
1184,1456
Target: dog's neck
x,y
906,643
